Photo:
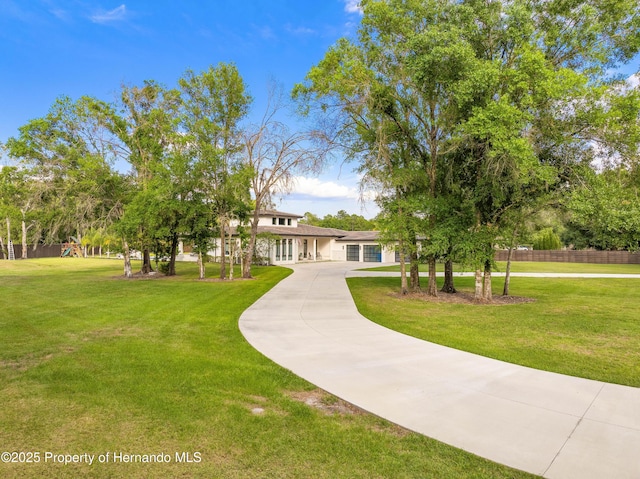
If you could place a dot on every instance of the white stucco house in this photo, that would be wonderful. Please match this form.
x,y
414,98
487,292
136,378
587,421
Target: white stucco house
x,y
291,242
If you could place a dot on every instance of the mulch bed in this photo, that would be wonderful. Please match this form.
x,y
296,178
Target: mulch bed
x,y
462,297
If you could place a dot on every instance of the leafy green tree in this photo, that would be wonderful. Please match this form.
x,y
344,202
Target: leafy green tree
x,y
347,222
502,90
394,96
547,239
310,219
214,102
71,181
146,126
606,210
10,184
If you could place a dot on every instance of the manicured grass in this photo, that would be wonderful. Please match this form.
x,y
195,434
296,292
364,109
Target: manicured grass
x,y
538,267
581,327
92,363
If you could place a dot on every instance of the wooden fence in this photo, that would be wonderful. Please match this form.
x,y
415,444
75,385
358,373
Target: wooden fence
x,y
41,251
571,256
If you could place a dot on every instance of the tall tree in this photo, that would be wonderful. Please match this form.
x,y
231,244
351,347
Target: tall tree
x,y
606,209
214,103
501,89
274,155
532,100
395,93
69,168
145,128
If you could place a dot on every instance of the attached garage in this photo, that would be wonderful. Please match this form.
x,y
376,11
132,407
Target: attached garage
x,y
372,253
353,252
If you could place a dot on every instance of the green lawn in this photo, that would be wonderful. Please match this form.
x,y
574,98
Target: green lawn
x,y
581,327
92,363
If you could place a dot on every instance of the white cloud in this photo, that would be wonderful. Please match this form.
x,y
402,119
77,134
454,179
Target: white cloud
x,y
60,14
316,188
117,14
299,30
322,189
634,80
265,32
352,6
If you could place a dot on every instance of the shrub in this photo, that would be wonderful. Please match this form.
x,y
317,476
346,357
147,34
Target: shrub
x,y
547,239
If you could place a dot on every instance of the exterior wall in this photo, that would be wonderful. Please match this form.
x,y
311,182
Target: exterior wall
x,y
280,221
388,255
338,251
318,249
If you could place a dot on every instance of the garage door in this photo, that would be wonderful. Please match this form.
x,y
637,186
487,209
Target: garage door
x,y
353,252
372,253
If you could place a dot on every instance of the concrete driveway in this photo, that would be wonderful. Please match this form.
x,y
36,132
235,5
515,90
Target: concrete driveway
x,y
544,423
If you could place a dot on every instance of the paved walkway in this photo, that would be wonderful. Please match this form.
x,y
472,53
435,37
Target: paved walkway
x,y
548,424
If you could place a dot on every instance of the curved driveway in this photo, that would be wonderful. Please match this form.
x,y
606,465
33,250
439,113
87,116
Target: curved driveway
x,y
545,423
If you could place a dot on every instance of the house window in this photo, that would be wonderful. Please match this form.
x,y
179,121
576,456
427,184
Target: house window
x,y
273,221
284,250
288,221
281,221
372,253
353,252
277,250
290,256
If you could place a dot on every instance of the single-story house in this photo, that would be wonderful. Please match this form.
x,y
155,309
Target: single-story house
x,y
290,242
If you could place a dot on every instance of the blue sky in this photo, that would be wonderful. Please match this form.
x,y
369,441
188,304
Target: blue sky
x,y
51,48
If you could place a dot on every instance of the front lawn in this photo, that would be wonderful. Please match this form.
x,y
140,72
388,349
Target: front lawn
x,y
581,327
94,364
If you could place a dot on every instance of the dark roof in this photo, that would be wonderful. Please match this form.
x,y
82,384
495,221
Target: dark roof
x,y
359,236
318,231
281,214
302,230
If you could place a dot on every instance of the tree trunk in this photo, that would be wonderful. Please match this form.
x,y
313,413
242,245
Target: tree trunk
x,y
507,274
488,294
478,292
4,251
432,289
172,257
403,270
24,239
201,265
414,274
223,265
248,258
231,252
448,286
146,261
127,260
